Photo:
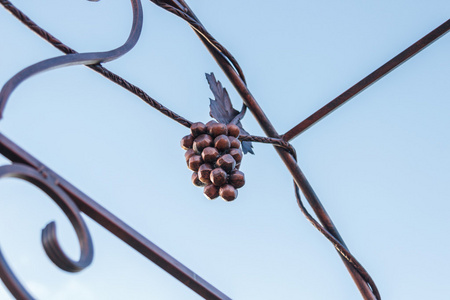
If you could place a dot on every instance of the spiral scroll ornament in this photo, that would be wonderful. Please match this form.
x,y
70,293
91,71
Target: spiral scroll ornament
x,y
92,58
49,240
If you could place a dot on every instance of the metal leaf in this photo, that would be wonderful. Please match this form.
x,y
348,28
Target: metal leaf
x,y
222,110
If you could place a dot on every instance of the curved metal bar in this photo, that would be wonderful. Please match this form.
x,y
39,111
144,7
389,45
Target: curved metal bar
x,y
76,59
345,254
49,240
182,10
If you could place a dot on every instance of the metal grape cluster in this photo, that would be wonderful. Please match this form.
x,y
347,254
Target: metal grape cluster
x,y
214,154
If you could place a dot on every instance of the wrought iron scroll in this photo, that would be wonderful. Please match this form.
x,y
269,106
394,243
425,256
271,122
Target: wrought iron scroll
x,y
49,185
76,58
72,200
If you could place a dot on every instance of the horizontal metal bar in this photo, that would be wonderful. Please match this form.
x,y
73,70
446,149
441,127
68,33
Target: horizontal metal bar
x,y
368,80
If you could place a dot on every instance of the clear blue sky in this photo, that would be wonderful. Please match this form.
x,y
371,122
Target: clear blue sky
x,y
380,164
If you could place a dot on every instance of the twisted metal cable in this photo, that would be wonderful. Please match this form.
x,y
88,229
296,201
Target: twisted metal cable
x,y
186,14
141,94
97,67
267,140
342,250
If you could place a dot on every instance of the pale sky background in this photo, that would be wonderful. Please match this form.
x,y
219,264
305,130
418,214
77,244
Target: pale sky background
x,y
380,164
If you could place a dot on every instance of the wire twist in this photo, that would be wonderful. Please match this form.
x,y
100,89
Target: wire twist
x,y
268,140
186,14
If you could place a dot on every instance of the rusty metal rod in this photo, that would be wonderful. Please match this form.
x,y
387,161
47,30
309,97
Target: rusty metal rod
x,y
289,161
368,80
114,225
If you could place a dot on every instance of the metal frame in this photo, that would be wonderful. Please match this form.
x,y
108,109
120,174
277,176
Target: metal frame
x,y
72,201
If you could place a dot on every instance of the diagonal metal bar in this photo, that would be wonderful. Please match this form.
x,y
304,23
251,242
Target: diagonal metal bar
x,y
368,80
116,226
291,164
289,160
